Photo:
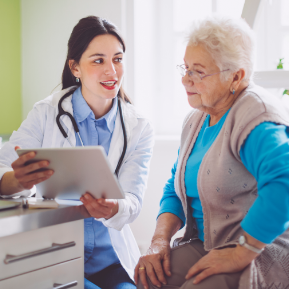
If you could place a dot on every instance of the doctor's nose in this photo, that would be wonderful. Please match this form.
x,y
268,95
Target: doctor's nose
x,y
109,68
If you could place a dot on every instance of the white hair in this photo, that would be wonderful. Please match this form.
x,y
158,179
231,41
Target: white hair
x,y
231,43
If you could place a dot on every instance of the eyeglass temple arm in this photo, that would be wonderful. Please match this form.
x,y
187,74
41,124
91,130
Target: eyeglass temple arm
x,y
214,73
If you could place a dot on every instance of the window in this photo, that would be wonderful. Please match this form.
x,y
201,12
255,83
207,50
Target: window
x,y
159,42
272,32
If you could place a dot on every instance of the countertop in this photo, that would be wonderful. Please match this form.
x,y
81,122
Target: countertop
x,y
19,220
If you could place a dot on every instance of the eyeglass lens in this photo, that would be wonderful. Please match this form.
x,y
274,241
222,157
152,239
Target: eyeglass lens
x,y
194,75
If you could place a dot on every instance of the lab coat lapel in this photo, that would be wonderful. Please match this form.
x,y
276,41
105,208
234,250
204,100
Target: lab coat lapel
x,y
130,119
117,140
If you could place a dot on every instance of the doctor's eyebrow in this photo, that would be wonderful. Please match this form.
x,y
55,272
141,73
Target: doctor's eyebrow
x,y
103,55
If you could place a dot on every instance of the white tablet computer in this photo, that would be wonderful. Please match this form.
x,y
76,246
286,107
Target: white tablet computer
x,y
77,170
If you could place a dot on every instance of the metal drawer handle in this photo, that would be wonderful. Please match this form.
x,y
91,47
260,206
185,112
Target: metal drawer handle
x,y
64,286
55,247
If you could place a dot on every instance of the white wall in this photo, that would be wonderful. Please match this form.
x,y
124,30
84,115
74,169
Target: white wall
x,y
46,27
147,26
164,156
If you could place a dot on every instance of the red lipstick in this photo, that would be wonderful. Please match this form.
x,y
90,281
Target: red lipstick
x,y
109,87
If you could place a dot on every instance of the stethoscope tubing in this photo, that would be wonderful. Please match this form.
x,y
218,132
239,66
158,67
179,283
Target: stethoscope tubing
x,y
61,112
124,139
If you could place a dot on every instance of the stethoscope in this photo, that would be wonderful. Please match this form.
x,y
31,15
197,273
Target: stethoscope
x,y
61,112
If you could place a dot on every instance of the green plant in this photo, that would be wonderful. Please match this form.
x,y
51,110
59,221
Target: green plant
x,y
280,64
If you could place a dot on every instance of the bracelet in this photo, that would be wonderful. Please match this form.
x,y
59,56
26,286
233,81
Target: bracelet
x,y
243,242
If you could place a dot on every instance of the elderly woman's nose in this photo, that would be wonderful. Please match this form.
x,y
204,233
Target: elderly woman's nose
x,y
109,68
187,81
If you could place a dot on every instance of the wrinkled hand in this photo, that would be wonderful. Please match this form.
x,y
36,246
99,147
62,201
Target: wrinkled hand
x,y
228,260
99,208
156,263
27,176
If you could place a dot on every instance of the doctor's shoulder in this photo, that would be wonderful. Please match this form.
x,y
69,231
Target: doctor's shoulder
x,y
131,112
140,127
44,112
53,99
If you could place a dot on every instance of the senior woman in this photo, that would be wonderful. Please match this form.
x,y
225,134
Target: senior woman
x,y
230,183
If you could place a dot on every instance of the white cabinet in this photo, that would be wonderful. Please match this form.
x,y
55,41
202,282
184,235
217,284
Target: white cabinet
x,y
41,257
64,275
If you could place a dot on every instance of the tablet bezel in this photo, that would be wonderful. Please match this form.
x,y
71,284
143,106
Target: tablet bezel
x,y
95,176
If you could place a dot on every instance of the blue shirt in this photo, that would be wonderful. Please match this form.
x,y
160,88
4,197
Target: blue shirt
x,y
265,154
98,251
203,142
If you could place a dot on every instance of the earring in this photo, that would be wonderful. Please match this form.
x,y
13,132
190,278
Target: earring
x,y
77,79
233,91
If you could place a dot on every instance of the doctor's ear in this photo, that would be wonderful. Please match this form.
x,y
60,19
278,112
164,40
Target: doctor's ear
x,y
74,68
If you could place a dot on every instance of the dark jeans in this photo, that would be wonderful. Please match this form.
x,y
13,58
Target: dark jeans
x,y
112,277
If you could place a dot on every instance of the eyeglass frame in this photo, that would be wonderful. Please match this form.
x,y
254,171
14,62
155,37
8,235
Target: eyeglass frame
x,y
191,73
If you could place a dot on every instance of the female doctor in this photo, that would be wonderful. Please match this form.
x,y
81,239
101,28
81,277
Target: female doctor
x,y
92,94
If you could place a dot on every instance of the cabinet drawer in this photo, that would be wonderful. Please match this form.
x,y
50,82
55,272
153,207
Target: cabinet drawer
x,y
40,248
69,273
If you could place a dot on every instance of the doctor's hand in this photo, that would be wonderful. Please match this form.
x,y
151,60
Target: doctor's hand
x,y
24,176
99,208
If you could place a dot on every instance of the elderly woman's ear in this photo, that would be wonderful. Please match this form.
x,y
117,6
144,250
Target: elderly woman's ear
x,y
238,77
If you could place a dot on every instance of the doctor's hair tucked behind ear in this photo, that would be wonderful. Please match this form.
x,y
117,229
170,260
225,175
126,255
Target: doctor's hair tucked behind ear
x,y
82,34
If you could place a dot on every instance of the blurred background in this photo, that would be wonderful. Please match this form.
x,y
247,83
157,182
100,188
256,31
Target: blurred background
x,y
33,46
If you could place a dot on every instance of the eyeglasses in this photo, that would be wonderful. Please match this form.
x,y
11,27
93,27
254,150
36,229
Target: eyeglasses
x,y
196,76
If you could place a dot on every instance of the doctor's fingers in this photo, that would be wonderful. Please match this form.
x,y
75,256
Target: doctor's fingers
x,y
28,169
29,185
101,201
109,203
23,159
26,175
32,179
95,209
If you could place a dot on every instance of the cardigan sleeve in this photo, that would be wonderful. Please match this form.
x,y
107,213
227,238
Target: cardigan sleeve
x,y
170,202
265,154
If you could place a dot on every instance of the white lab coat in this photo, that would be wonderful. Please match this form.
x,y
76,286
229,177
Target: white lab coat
x,y
40,130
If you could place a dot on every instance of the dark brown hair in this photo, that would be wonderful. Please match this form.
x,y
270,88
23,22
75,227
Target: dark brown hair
x,y
82,34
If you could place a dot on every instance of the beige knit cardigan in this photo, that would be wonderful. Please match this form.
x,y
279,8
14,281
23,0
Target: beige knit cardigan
x,y
227,190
